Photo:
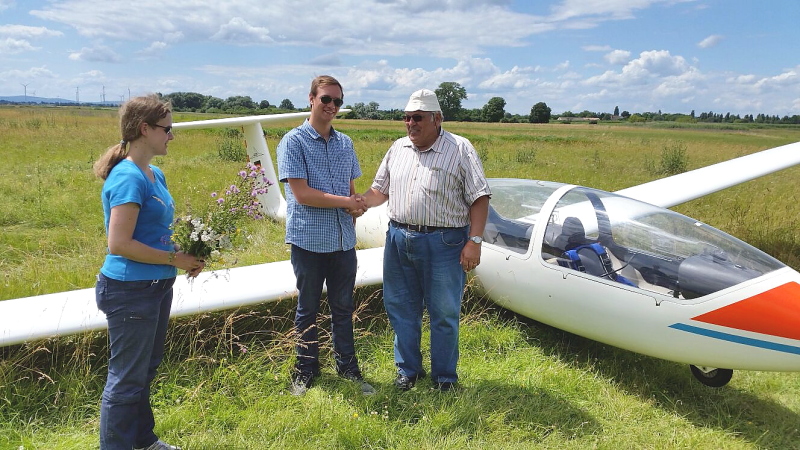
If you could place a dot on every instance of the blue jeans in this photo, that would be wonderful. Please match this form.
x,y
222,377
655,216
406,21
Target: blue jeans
x,y
422,270
338,271
137,314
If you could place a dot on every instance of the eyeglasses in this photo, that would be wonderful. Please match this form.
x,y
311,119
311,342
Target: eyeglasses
x,y
167,130
327,99
416,118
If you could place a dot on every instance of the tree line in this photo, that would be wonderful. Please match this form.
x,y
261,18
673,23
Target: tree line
x,y
451,95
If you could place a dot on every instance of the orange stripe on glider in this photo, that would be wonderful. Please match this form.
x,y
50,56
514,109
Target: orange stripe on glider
x,y
775,312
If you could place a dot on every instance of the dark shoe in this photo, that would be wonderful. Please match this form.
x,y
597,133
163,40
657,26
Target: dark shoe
x,y
445,386
405,383
159,445
366,388
301,381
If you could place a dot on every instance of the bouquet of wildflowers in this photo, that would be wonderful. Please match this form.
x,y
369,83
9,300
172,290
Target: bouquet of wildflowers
x,y
209,232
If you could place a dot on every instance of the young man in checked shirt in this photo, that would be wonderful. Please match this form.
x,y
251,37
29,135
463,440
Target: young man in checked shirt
x,y
319,166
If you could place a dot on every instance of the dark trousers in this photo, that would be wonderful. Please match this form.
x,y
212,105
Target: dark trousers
x,y
137,314
337,270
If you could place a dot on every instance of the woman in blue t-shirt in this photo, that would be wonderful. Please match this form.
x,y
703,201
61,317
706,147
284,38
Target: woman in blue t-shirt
x,y
134,287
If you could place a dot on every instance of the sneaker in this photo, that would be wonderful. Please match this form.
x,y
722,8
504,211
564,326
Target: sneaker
x,y
366,388
301,381
159,445
405,383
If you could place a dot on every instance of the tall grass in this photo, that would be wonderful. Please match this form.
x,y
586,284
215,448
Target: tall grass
x,y
523,384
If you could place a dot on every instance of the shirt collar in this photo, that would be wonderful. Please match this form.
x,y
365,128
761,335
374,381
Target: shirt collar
x,y
313,133
434,147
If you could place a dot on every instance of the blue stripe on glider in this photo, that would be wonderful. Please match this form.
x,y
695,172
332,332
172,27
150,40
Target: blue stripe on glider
x,y
737,339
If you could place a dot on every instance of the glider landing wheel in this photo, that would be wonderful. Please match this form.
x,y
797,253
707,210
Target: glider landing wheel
x,y
712,377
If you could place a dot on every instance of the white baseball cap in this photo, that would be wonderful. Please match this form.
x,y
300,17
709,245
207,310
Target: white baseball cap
x,y
423,100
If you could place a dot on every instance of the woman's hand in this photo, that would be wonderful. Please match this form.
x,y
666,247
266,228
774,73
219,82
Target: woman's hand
x,y
190,263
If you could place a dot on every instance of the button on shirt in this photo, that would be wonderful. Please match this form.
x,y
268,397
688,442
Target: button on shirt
x,y
435,187
328,167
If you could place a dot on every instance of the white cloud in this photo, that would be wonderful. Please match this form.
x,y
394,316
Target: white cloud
x,y
618,57
239,32
26,32
710,41
596,48
100,53
784,80
10,46
153,50
655,63
516,78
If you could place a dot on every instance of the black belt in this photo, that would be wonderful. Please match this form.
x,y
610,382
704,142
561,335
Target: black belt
x,y
418,228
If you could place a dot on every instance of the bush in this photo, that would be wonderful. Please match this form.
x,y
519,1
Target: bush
x,y
674,160
230,146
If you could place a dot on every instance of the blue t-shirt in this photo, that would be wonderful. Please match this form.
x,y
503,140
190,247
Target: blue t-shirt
x,y
328,167
126,183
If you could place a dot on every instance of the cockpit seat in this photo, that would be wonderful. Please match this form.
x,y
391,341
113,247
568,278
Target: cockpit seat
x,y
572,235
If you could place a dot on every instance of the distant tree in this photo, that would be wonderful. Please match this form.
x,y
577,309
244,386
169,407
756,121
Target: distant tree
x,y
450,95
264,104
364,111
286,104
239,103
625,114
471,115
540,113
186,101
616,111
494,109
213,103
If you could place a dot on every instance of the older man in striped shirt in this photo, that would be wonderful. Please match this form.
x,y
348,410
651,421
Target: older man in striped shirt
x,y
438,203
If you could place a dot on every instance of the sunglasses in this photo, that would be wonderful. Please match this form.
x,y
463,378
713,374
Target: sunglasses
x,y
327,99
416,118
167,130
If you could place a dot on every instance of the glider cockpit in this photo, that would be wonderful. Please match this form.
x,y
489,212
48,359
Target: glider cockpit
x,y
619,239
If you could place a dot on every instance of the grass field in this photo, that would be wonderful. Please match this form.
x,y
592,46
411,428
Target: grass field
x,y
523,384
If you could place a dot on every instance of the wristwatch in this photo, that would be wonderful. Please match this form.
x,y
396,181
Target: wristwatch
x,y
476,239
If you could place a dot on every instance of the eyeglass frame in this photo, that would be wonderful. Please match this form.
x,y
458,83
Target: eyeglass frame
x,y
167,129
417,118
338,102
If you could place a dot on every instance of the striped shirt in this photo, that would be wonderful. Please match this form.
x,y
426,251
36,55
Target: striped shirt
x,y
435,187
328,167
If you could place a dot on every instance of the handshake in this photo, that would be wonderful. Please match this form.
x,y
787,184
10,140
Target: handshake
x,y
357,205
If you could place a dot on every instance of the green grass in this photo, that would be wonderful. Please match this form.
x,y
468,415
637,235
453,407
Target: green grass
x,y
523,384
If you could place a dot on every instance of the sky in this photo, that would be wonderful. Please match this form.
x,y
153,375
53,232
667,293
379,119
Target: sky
x,y
675,56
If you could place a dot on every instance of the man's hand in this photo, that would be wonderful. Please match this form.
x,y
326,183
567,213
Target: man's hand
x,y
357,206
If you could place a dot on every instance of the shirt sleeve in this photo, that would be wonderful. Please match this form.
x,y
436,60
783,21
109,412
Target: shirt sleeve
x,y
382,177
125,186
475,183
291,159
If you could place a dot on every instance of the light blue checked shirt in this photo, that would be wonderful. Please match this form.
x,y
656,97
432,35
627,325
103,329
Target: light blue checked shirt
x,y
328,167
